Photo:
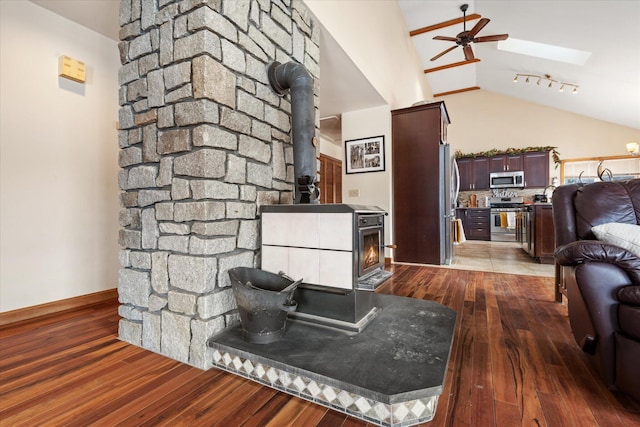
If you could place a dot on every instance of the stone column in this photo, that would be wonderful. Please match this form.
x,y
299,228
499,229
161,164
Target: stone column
x,y
204,142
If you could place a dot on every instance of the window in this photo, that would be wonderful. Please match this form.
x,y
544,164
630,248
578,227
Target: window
x,y
586,170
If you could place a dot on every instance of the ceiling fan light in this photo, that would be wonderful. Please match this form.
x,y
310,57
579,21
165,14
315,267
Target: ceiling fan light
x,y
538,82
527,80
562,88
575,90
550,84
515,79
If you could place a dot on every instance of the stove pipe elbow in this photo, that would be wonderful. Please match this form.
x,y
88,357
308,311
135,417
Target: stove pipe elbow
x,y
295,76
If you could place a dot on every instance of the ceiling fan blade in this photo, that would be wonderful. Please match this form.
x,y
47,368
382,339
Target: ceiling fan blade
x,y
468,53
444,52
448,39
480,25
493,38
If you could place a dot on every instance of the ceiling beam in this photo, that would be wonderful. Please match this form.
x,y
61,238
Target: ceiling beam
x,y
452,65
451,92
443,24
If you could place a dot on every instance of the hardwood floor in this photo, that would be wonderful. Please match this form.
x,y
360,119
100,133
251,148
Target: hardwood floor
x,y
513,362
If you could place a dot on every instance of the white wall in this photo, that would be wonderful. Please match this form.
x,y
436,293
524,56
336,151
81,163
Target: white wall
x,y
374,188
332,149
482,120
59,160
376,38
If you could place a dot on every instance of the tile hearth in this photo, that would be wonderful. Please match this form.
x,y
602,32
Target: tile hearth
x,y
391,374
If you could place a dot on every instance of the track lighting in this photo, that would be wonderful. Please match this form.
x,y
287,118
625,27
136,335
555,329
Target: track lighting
x,y
547,78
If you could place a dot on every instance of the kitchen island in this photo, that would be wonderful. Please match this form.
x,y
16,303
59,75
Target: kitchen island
x,y
536,233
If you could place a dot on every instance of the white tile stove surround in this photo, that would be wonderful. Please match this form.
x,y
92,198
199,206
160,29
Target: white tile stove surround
x,y
305,244
321,243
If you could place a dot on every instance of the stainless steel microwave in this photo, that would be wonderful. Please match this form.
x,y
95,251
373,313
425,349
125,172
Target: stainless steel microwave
x,y
512,179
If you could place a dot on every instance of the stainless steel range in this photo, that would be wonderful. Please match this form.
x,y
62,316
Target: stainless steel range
x,y
505,213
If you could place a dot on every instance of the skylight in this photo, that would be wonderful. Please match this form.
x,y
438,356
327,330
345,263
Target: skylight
x,y
546,51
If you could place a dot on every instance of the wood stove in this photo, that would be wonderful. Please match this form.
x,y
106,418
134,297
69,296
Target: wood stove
x,y
338,251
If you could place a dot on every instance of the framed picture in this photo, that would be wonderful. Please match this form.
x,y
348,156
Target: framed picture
x,y
365,155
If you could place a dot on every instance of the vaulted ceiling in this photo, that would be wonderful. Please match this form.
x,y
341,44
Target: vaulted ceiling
x,y
609,81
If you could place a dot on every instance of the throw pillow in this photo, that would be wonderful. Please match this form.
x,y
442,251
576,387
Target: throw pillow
x,y
626,236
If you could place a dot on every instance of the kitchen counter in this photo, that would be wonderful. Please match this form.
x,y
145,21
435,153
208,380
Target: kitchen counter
x,y
541,243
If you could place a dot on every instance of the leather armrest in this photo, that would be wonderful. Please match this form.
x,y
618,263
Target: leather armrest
x,y
583,251
630,295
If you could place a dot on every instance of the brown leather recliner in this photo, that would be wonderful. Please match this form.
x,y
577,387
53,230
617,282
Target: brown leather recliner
x,y
602,280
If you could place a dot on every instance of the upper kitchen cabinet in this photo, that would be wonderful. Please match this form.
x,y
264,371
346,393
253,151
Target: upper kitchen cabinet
x,y
465,168
481,173
536,169
474,173
505,163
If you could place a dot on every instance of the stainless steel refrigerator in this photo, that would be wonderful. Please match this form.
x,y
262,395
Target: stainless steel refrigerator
x,y
449,184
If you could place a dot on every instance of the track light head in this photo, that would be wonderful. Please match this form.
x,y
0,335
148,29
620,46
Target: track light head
x,y
547,77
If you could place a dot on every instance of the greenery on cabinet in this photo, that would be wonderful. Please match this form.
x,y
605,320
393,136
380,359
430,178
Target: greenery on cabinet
x,y
496,152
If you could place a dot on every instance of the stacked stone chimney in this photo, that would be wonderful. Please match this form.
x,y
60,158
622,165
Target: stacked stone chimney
x,y
204,142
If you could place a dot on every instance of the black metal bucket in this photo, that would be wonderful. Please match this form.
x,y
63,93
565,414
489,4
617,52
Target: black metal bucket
x,y
264,299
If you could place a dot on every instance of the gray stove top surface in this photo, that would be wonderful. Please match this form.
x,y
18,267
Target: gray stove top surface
x,y
322,208
401,355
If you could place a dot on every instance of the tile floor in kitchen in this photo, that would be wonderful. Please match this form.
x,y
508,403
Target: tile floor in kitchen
x,y
498,257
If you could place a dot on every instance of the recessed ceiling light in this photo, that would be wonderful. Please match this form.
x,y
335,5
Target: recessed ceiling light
x,y
546,51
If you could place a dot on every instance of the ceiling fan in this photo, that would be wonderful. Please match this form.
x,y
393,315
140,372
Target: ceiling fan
x,y
465,38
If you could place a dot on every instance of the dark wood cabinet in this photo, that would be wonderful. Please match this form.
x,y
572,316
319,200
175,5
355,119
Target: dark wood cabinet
x,y
330,180
475,222
536,169
474,173
465,168
481,173
505,163
543,233
421,170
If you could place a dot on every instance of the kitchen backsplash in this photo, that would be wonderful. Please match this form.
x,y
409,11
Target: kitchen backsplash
x,y
482,196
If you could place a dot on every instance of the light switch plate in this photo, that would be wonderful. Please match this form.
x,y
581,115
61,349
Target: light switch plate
x,y
354,193
71,69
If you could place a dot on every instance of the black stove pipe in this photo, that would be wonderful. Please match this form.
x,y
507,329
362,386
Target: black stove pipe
x,y
295,76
